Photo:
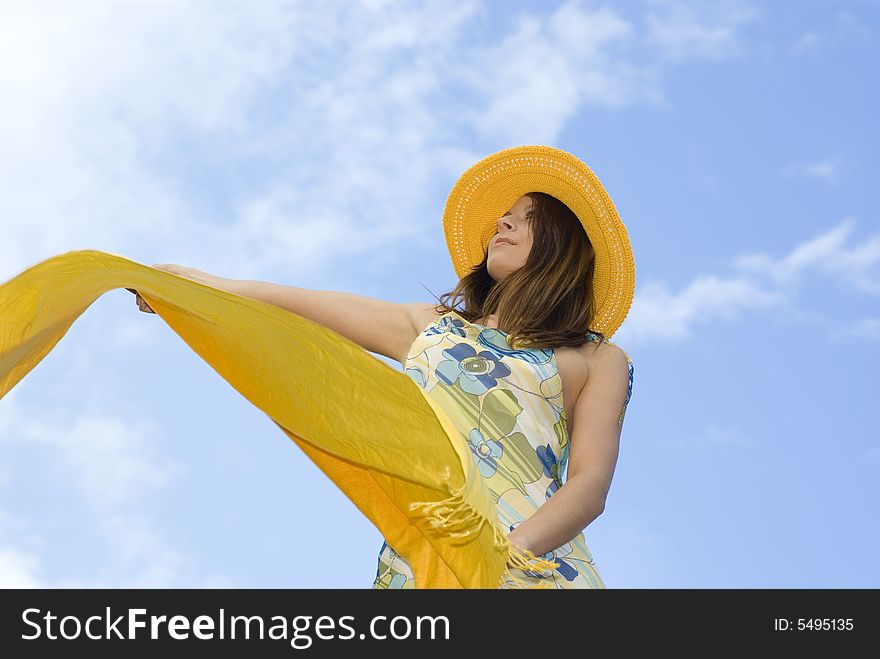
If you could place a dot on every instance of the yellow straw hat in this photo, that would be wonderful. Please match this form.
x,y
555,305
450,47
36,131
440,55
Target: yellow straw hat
x,y
490,187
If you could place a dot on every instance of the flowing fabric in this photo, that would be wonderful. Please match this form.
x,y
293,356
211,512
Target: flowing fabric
x,y
390,448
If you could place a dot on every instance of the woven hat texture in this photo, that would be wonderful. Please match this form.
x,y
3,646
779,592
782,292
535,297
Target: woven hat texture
x,y
490,187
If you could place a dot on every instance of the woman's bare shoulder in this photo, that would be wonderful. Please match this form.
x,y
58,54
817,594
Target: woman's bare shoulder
x,y
590,356
610,346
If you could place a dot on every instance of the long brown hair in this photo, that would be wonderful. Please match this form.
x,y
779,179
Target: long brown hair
x,y
548,302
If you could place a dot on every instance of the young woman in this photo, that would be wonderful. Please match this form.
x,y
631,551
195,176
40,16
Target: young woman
x,y
517,353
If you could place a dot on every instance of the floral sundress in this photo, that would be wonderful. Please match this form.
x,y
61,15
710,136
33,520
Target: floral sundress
x,y
508,403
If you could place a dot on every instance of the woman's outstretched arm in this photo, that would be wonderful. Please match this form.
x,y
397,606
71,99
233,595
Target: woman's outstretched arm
x,y
386,328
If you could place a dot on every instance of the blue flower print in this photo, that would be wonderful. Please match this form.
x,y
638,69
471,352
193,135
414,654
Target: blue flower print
x,y
417,375
498,342
565,570
486,452
452,325
475,373
551,468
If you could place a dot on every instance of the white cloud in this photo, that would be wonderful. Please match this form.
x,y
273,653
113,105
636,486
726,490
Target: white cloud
x,y
865,328
279,136
112,467
539,76
709,439
845,29
855,266
18,569
760,282
107,459
20,546
658,313
679,29
91,97
830,170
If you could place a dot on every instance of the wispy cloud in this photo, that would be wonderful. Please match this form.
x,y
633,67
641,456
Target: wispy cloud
x,y
709,439
535,79
829,170
854,266
678,29
250,139
864,328
111,466
759,282
844,29
18,569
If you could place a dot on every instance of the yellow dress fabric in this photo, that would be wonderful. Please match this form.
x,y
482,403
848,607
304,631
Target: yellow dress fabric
x,y
391,449
508,404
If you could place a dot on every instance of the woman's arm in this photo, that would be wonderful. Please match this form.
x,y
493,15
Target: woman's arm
x,y
595,442
386,328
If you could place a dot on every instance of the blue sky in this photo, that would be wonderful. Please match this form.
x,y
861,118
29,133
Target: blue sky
x,y
314,144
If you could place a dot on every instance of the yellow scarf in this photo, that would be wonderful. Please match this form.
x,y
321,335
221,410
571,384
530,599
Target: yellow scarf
x,y
391,449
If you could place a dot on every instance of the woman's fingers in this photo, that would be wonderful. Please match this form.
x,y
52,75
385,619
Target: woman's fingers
x,y
141,302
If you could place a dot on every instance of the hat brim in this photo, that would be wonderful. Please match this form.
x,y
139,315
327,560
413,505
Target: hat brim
x,y
491,186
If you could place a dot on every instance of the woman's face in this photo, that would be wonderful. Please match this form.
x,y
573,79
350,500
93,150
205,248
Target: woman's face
x,y
505,257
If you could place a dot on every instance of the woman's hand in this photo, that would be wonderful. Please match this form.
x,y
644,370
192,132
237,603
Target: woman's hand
x,y
142,304
515,538
179,270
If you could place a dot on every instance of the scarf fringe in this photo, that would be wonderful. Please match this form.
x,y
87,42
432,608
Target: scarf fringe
x,y
454,517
